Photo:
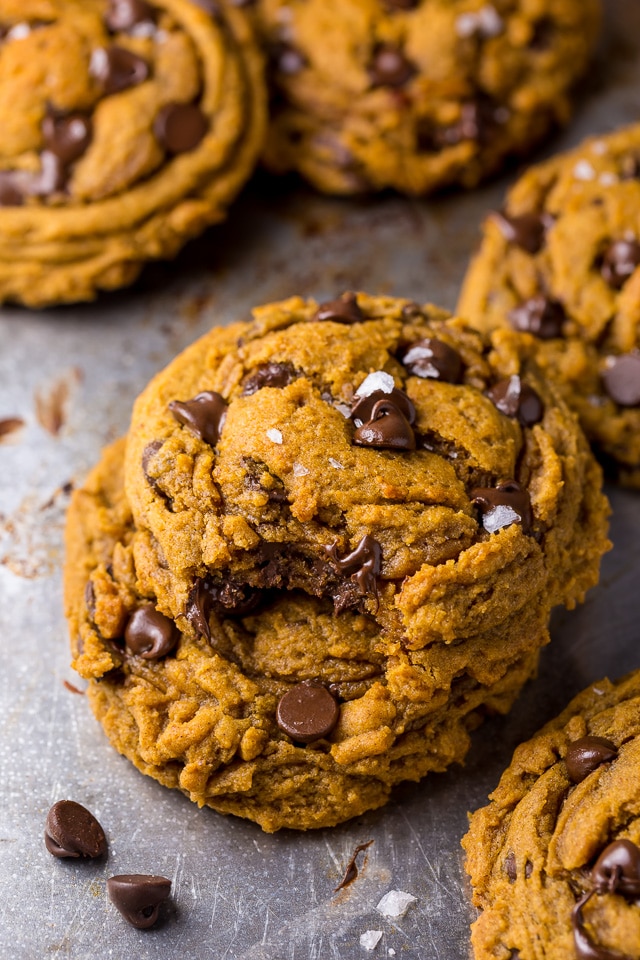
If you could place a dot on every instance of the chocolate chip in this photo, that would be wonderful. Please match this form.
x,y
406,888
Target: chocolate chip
x,y
67,137
401,4
179,127
503,505
51,178
479,120
138,897
541,316
586,755
268,375
544,32
389,67
510,866
363,564
116,68
387,429
124,14
204,415
630,167
287,59
527,231
432,359
148,454
10,193
619,262
90,599
72,831
515,398
362,409
617,869
149,634
307,712
344,309
226,597
528,869
622,379
198,608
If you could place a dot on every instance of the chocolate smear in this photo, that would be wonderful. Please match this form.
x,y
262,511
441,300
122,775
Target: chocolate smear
x,y
270,374
503,505
389,67
387,429
363,564
344,309
72,831
622,379
307,712
149,634
138,897
204,415
619,262
67,137
517,399
432,359
180,127
528,231
351,870
586,755
122,15
117,69
540,316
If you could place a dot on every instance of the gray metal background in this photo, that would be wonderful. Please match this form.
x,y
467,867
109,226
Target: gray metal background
x,y
240,894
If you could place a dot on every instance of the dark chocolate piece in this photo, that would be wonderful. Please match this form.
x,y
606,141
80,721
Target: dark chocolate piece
x,y
270,374
362,408
510,866
622,379
619,262
138,897
67,137
503,505
148,454
116,68
124,14
515,398
72,831
401,4
363,564
179,127
433,360
478,121
90,599
387,429
617,869
149,634
528,231
10,193
389,67
541,316
351,870
204,415
51,178
287,59
343,309
307,712
586,755
227,598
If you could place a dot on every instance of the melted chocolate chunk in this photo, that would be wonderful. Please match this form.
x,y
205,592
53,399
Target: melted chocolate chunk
x,y
180,127
586,755
527,231
528,869
116,68
351,870
344,309
225,597
387,428
617,869
622,379
363,565
389,67
149,634
90,599
510,866
362,409
67,137
619,262
268,375
124,14
204,415
432,359
307,712
138,897
517,399
51,178
585,948
541,316
287,59
10,193
503,505
72,831
148,454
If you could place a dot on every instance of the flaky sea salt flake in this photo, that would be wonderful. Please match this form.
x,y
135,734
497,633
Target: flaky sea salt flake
x,y
376,381
335,464
299,470
274,435
584,171
395,904
370,939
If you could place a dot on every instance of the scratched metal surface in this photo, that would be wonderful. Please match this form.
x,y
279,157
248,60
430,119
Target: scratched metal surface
x,y
71,375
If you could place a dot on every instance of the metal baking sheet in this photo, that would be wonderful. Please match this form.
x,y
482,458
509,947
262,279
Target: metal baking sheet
x,y
71,375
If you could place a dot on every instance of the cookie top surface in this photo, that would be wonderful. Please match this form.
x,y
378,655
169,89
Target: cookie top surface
x,y
419,93
561,262
555,857
116,113
369,451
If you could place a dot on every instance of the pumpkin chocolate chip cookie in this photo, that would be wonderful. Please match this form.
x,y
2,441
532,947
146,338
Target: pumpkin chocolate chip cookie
x,y
560,262
555,857
127,127
417,94
332,546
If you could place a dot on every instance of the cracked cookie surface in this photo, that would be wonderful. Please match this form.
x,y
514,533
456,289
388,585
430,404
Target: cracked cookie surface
x,y
362,497
128,127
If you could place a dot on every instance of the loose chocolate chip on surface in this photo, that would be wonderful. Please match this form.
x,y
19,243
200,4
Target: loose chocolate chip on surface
x,y
433,360
124,14
307,712
362,409
622,379
344,309
617,869
517,399
204,415
138,897
541,316
180,127
72,831
268,375
387,429
363,564
527,231
10,193
67,137
149,634
619,262
586,755
116,69
503,505
389,67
